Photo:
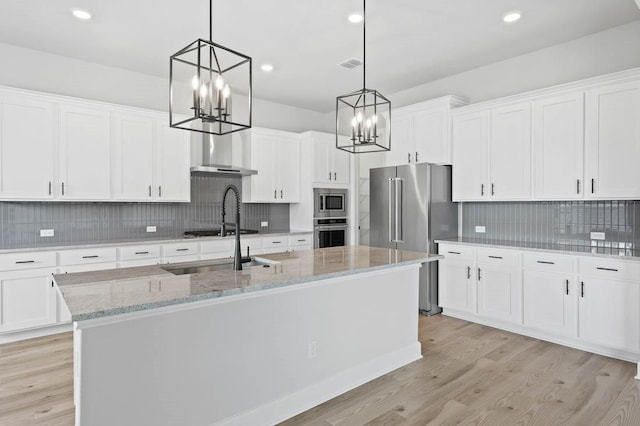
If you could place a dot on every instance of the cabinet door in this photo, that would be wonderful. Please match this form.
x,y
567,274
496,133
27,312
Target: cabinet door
x,y
499,292
340,161
549,302
27,145
402,142
134,159
264,157
288,181
510,153
173,152
612,142
27,299
431,135
609,313
322,172
558,141
85,153
470,138
456,285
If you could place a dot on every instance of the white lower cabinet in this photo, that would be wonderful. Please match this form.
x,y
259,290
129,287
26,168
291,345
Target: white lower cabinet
x,y
549,301
460,291
27,299
499,292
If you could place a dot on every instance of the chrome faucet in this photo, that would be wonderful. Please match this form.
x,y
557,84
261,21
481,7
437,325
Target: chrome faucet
x,y
237,257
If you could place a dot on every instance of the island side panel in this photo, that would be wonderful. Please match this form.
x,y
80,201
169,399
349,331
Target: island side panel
x,y
247,359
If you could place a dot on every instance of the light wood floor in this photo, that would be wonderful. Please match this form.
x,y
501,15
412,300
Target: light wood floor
x,y
470,374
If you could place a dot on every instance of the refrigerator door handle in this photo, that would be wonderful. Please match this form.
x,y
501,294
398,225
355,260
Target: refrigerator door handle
x,y
391,238
399,193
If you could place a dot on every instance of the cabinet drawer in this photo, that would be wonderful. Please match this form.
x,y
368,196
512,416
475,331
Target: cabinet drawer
x,y
499,257
21,261
269,243
548,262
300,240
180,249
84,256
139,252
455,251
606,268
217,246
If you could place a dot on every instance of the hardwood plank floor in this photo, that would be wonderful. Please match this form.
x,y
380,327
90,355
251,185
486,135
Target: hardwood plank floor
x,y
470,374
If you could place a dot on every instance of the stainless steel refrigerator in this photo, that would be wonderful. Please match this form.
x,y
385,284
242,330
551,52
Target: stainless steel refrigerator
x,y
410,208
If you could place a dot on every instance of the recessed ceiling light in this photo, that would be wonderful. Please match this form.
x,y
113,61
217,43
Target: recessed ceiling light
x,y
81,14
355,18
512,17
266,67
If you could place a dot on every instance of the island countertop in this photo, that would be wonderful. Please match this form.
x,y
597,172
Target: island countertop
x,y
90,295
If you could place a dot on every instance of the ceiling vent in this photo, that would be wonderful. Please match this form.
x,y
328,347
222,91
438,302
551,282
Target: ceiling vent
x,y
351,63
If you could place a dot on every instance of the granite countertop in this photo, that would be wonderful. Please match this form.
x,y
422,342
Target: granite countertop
x,y
563,248
135,242
90,295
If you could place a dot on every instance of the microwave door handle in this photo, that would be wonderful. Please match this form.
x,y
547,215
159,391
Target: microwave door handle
x,y
399,193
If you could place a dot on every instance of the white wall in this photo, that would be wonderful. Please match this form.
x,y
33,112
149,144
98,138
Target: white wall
x,y
46,72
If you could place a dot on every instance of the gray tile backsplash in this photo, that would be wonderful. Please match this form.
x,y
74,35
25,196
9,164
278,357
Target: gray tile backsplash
x,y
556,222
86,223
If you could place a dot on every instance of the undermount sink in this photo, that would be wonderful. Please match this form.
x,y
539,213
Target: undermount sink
x,y
200,267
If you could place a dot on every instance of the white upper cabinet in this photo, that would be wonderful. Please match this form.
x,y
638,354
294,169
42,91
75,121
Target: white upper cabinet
x,y
330,164
510,152
133,151
421,133
558,146
612,142
276,156
471,138
84,153
27,148
172,153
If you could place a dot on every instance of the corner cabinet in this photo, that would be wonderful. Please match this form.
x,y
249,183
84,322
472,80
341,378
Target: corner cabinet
x,y
421,133
330,164
275,155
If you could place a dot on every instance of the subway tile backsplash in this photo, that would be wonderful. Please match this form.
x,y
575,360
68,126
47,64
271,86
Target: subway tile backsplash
x,y
88,223
556,222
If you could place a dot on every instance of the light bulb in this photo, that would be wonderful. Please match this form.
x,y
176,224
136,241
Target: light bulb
x,y
359,117
354,122
374,119
203,90
194,82
368,123
226,91
219,82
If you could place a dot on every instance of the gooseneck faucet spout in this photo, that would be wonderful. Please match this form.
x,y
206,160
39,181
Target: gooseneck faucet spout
x,y
237,257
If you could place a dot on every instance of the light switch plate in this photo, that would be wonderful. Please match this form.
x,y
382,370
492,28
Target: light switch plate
x,y
151,229
481,229
264,223
47,233
597,235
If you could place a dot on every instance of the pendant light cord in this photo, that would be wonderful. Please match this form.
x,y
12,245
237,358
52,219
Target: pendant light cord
x,y
210,20
364,49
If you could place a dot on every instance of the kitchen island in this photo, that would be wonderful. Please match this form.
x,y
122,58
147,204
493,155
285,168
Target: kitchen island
x,y
254,347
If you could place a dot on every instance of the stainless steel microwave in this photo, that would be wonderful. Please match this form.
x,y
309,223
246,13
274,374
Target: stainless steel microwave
x,y
330,202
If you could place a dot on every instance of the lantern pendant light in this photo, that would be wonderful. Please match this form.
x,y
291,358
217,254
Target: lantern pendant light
x,y
210,87
363,115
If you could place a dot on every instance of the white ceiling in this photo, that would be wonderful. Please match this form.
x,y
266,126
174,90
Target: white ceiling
x,y
409,41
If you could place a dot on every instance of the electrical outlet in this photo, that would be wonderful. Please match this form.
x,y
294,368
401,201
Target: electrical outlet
x,y
151,229
47,233
481,229
313,350
597,235
264,224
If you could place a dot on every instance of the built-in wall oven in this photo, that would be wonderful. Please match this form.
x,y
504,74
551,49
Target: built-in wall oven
x,y
330,219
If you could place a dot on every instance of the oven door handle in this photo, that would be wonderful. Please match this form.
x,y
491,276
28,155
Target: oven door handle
x,y
331,228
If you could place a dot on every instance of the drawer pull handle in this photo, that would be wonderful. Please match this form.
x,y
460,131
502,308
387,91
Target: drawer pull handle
x,y
453,252
479,276
546,262
142,252
495,257
468,272
581,288
277,242
93,256
607,269
182,249
25,261
567,285
301,241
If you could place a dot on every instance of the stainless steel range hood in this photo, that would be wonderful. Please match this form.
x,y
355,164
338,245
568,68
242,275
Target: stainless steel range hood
x,y
217,157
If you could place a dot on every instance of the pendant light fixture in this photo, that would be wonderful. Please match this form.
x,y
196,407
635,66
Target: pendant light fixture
x,y
363,115
205,81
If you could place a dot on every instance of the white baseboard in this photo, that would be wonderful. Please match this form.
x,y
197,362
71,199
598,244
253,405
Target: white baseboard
x,y
307,398
34,332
